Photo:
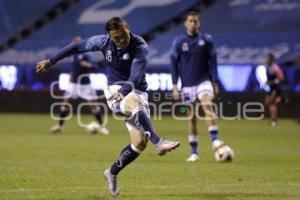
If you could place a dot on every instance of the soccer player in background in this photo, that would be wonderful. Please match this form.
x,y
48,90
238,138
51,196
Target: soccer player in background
x,y
80,87
126,58
274,96
193,60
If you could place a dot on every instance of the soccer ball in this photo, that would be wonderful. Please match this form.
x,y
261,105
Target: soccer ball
x,y
92,127
224,154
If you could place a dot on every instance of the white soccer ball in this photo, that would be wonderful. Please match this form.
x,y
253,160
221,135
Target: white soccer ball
x,y
224,154
92,127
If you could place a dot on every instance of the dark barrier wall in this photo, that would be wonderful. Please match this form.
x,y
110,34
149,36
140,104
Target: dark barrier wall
x,y
228,104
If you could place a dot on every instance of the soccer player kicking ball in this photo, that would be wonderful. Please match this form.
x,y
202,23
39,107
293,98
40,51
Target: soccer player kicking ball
x,y
193,59
125,55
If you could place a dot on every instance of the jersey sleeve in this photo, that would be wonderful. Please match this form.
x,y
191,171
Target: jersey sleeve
x,y
212,60
94,43
138,67
174,58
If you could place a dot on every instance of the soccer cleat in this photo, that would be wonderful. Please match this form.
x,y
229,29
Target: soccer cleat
x,y
217,144
193,158
103,130
112,182
56,128
164,145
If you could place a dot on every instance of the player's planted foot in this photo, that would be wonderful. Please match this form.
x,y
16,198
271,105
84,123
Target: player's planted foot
x,y
112,182
164,145
217,144
193,158
103,130
56,128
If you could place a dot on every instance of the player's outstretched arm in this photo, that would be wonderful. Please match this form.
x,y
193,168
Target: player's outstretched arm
x,y
94,43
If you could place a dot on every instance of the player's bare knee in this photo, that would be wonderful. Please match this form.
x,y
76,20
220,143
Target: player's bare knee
x,y
207,102
138,139
206,98
208,110
141,145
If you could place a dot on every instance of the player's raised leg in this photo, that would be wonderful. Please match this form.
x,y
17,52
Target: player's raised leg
x,y
135,106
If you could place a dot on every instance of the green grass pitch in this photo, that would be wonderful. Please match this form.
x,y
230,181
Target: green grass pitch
x,y
37,165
